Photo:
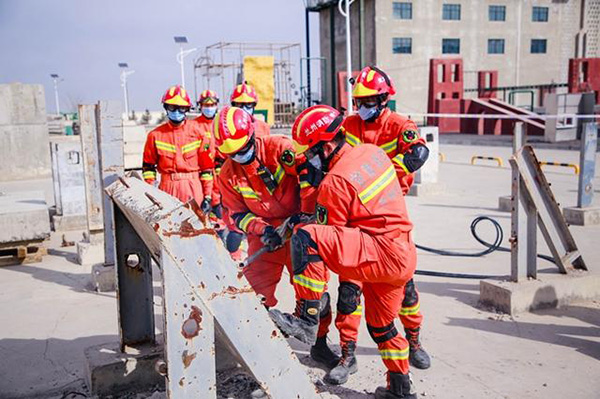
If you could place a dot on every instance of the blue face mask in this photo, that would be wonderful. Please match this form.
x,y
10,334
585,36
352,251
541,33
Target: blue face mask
x,y
245,157
248,108
176,116
209,112
366,113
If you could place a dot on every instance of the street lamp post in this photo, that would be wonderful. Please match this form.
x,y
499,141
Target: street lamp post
x,y
181,40
124,74
55,78
345,11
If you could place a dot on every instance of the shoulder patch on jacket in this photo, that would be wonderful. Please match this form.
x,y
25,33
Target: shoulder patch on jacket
x,y
288,158
321,213
408,136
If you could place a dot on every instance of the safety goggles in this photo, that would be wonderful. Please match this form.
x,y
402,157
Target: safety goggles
x,y
367,102
173,108
242,105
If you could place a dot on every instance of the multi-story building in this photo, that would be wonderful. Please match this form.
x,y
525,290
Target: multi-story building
x,y
529,42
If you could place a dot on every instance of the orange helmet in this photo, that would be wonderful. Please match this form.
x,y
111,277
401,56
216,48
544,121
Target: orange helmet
x,y
177,95
208,97
244,93
314,125
233,128
372,81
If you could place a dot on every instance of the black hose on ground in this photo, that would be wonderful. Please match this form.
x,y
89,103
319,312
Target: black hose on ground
x,y
490,247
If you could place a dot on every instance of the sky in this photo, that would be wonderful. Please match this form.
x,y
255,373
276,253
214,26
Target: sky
x,y
84,40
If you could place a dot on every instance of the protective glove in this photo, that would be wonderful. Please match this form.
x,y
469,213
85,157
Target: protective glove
x,y
205,205
218,211
308,173
300,218
271,239
233,240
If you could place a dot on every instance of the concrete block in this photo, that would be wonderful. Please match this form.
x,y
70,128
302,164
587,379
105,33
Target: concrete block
x,y
425,189
582,216
505,203
22,104
111,372
24,152
24,216
69,222
90,253
104,278
428,173
548,291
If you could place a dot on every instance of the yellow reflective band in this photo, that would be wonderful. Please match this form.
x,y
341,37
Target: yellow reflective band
x,y
246,221
247,192
191,146
399,160
390,146
378,185
394,354
279,173
352,139
311,284
304,184
358,311
149,174
413,310
207,176
161,145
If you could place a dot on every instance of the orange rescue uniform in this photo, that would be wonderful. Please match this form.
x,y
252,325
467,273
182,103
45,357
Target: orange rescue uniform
x,y
181,154
363,234
263,193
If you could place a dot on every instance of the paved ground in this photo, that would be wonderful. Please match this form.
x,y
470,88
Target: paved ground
x,y
49,314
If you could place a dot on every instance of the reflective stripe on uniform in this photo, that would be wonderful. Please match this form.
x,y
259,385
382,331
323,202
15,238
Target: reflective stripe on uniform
x,y
378,185
390,146
161,145
409,311
352,139
311,284
194,145
149,174
304,184
247,192
399,160
206,176
394,354
279,173
358,311
243,224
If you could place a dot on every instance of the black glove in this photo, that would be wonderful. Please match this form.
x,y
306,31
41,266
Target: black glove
x,y
300,218
309,174
218,211
233,241
271,239
205,205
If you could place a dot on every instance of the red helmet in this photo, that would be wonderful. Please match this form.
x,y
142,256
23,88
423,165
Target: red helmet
x,y
233,127
208,97
244,93
177,95
315,124
372,81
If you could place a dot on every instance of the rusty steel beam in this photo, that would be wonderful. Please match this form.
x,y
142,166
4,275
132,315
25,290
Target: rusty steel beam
x,y
205,295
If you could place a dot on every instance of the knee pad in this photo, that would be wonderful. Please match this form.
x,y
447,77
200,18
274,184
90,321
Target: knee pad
x,y
299,248
325,306
382,334
348,297
411,297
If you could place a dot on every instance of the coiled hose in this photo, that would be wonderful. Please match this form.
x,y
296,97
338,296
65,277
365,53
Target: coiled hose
x,y
489,249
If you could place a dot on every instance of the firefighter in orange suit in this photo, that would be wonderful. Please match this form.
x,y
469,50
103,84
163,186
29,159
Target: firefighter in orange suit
x,y
260,190
176,149
398,137
362,234
244,97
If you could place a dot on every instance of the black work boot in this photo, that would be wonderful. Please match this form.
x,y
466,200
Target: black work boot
x,y
322,353
399,387
346,366
418,357
303,324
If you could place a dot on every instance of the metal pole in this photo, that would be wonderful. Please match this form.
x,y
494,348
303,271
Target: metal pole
x,y
332,55
308,85
124,84
348,58
587,163
181,64
56,95
361,35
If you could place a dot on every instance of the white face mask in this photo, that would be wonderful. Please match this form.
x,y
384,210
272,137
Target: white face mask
x,y
248,108
316,162
367,113
245,157
209,112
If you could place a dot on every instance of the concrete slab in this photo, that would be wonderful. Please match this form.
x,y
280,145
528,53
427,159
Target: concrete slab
x,y
505,203
22,104
426,189
111,372
582,216
103,278
90,254
548,291
69,222
24,216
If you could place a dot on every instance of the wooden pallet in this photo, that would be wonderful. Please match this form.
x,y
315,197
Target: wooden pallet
x,y
18,253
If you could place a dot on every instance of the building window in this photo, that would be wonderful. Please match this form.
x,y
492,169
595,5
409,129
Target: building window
x,y
402,45
497,13
538,46
402,10
495,46
451,12
539,14
450,46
